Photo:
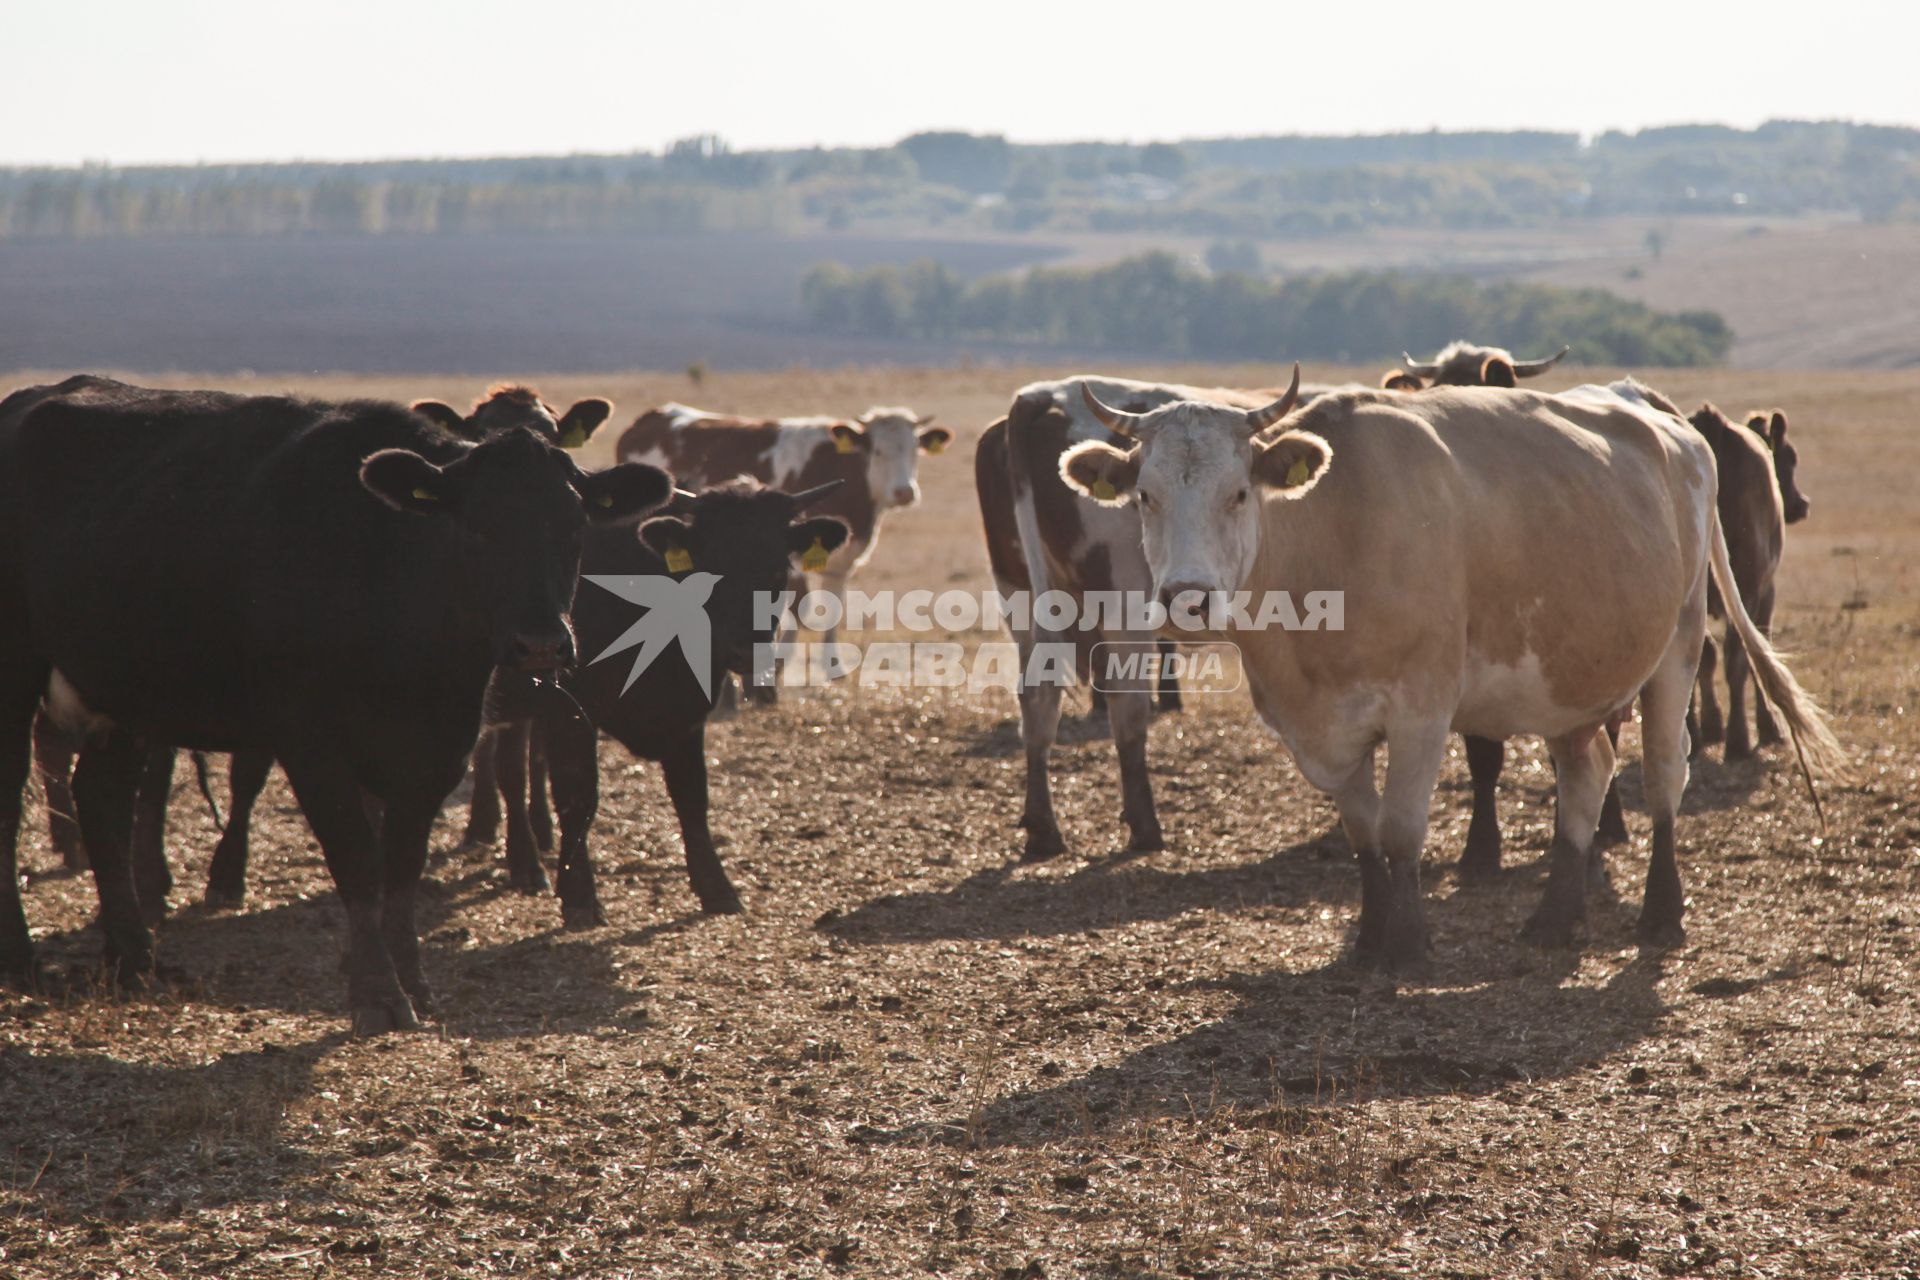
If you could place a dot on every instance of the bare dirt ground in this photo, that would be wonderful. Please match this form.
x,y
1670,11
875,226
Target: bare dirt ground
x,y
914,1055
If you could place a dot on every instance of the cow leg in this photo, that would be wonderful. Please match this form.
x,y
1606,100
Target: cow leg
x,y
1039,725
574,759
53,751
1712,727
483,809
105,781
1583,763
1414,756
1768,729
152,877
1359,804
19,701
1169,681
1613,815
406,824
524,871
685,765
330,797
1739,744
1486,757
1664,769
227,877
539,813
1129,711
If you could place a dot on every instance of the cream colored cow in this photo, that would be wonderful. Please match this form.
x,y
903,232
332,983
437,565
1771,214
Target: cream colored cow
x,y
1511,563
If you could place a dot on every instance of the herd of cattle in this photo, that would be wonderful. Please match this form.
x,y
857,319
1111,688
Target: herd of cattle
x,y
360,592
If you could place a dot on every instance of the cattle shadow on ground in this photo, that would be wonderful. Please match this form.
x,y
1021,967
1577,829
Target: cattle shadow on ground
x,y
122,1140
1077,727
1314,1047
998,902
287,957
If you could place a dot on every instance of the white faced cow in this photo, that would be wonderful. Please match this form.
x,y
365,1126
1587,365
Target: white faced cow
x,y
1511,562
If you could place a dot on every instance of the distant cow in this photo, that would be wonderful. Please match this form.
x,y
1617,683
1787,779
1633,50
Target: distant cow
x,y
740,541
1041,538
329,585
875,459
1759,497
1466,364
1510,563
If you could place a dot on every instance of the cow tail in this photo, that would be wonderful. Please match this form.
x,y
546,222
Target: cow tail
x,y
1819,752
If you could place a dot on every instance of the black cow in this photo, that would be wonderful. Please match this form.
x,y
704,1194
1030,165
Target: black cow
x,y
330,585
750,538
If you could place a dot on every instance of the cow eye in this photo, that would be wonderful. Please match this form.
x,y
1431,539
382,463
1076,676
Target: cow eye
x,y
1240,498
1146,500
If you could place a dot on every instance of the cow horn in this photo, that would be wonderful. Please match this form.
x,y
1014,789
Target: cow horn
x,y
1260,419
807,497
1532,368
1113,419
1424,368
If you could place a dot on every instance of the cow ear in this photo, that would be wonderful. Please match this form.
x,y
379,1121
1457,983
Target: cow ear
x,y
669,536
1498,371
442,415
406,481
1095,469
821,535
581,421
1757,423
623,494
1777,429
1400,380
848,437
935,440
1292,464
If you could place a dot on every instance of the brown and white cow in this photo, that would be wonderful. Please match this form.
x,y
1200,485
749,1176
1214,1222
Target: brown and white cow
x,y
1511,562
1040,538
875,457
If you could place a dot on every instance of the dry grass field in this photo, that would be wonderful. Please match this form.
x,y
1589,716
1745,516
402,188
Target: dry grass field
x,y
915,1056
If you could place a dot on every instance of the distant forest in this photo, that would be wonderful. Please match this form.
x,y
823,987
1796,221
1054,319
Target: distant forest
x,y
957,183
1156,305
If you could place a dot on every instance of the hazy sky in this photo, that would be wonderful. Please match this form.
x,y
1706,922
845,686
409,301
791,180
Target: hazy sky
x,y
153,80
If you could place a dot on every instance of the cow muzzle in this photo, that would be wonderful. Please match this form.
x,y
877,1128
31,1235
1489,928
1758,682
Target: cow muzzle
x,y
534,654
1797,510
906,495
1185,603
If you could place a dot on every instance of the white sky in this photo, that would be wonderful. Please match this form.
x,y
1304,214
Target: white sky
x,y
182,80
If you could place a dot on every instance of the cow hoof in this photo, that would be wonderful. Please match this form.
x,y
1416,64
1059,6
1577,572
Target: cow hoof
x,y
1043,843
1609,834
382,1016
1147,842
718,904
224,897
1550,928
19,970
1662,935
1738,751
531,883
578,917
474,841
1478,868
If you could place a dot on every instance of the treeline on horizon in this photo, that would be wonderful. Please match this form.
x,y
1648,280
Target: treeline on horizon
x,y
1156,305
1238,187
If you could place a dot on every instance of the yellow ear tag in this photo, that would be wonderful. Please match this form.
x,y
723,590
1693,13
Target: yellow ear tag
x,y
814,558
679,560
1104,490
1297,473
425,495
605,500
843,444
573,438
936,445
